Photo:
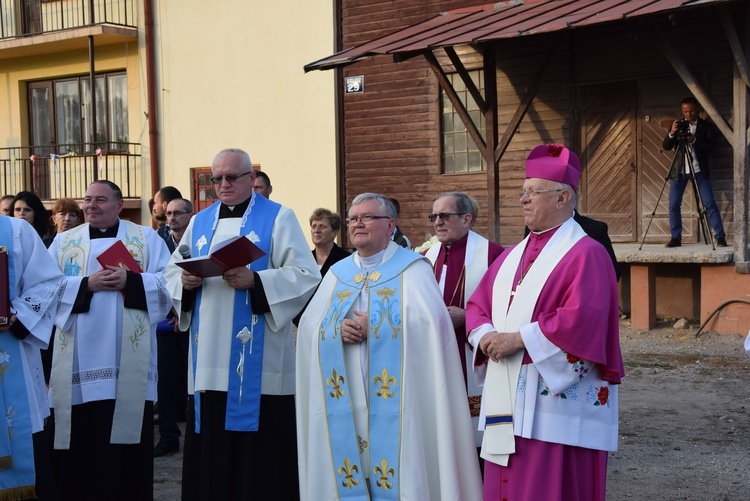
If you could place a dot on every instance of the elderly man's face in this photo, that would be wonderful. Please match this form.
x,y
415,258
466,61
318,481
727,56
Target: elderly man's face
x,y
546,209
372,237
100,206
455,226
236,184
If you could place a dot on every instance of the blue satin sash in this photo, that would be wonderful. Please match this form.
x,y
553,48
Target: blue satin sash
x,y
246,358
385,356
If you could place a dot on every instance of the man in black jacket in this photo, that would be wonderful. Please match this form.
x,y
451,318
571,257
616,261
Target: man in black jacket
x,y
701,142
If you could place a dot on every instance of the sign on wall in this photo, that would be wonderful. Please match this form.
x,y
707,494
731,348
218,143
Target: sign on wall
x,y
355,85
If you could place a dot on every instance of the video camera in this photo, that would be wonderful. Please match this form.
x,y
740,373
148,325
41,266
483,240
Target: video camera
x,y
683,128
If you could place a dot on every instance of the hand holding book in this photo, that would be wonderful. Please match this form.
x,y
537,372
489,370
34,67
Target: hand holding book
x,y
232,253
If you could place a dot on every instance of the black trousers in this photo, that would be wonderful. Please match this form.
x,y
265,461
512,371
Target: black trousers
x,y
172,387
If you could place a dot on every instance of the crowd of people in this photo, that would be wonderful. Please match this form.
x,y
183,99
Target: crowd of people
x,y
457,372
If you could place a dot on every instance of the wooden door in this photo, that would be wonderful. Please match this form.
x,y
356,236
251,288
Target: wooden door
x,y
608,158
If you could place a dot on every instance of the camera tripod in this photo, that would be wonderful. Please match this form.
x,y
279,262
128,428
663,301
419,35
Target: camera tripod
x,y
683,152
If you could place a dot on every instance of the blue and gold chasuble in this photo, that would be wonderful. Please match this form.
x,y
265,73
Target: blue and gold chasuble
x,y
17,476
384,381
246,358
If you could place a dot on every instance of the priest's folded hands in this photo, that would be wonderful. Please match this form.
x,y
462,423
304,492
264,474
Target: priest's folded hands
x,y
353,330
497,345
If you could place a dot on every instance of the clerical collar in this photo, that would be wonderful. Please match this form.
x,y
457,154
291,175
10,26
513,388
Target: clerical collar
x,y
110,232
548,229
225,211
370,262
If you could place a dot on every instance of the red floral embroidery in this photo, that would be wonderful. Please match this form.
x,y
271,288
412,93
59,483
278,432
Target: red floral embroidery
x,y
603,395
572,359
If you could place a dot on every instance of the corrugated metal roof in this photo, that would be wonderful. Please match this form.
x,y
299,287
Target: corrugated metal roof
x,y
509,19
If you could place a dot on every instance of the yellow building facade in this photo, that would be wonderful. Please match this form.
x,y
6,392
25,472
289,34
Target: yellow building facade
x,y
224,74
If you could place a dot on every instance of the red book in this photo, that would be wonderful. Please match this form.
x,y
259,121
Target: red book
x,y
231,253
118,255
4,287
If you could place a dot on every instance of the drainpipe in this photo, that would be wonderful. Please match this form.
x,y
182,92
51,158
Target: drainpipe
x,y
153,132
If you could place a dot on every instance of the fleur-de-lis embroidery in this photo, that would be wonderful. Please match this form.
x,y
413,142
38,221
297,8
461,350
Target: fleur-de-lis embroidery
x,y
385,383
344,294
348,470
382,472
335,382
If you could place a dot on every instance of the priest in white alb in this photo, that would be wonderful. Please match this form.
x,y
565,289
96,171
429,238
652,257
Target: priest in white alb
x,y
381,401
545,328
104,375
240,435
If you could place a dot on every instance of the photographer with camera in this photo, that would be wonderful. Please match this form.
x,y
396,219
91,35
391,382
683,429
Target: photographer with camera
x,y
700,138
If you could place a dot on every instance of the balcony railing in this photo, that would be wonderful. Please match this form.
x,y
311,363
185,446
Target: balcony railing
x,y
52,176
19,18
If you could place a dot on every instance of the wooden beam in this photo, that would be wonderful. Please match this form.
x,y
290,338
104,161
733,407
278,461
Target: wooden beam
x,y
468,82
734,43
463,114
528,98
489,60
692,84
741,191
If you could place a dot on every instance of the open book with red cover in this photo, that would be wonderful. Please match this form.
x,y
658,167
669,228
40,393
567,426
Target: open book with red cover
x,y
232,253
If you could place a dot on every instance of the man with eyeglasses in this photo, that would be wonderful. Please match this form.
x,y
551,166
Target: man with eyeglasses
x,y
544,322
459,260
241,431
380,397
173,348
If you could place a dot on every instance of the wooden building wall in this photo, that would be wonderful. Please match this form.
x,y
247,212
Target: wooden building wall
x,y
604,95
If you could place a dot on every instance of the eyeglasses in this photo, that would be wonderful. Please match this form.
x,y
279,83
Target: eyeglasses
x,y
366,219
443,215
230,178
533,193
176,213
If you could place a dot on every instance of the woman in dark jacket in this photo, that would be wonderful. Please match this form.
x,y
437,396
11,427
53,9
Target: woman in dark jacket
x,y
324,226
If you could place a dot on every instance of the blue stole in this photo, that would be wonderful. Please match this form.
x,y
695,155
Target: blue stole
x,y
385,355
246,358
17,474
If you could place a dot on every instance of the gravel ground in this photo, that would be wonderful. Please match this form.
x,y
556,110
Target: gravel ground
x,y
684,420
